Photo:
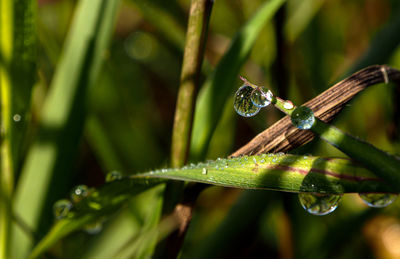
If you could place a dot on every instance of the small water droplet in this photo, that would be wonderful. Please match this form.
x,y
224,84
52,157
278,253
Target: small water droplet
x,y
263,155
246,158
378,200
204,171
112,176
260,98
61,208
319,204
303,117
243,104
94,228
262,161
274,159
79,192
288,105
17,117
254,160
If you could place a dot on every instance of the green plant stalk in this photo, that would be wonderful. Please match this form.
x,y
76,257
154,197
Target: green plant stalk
x,y
196,37
381,163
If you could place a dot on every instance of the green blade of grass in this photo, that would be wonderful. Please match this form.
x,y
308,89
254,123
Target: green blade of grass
x,y
17,76
273,172
221,83
279,172
47,171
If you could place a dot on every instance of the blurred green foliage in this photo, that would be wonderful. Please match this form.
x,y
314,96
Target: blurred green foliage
x,y
116,108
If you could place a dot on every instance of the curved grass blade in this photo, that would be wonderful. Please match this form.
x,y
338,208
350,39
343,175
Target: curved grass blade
x,y
47,171
268,172
100,203
220,84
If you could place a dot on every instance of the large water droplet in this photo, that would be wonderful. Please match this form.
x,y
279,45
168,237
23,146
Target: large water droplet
x,y
319,204
79,192
260,98
378,200
113,175
61,208
243,104
204,171
303,117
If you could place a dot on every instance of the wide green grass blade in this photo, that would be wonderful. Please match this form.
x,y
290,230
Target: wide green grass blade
x,y
47,171
17,76
221,83
278,172
268,172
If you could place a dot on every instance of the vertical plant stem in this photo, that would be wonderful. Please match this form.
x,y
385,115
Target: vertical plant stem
x,y
6,175
196,36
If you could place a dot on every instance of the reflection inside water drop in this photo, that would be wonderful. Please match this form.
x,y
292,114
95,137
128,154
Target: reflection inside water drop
x,y
319,204
378,200
242,102
302,117
260,98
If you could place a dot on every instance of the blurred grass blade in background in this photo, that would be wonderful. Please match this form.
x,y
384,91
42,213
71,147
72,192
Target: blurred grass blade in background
x,y
221,83
17,77
48,170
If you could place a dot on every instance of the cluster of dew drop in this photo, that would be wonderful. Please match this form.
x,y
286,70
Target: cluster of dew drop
x,y
323,204
250,98
64,208
248,101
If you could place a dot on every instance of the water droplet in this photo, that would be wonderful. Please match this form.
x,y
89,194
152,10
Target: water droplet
x,y
319,204
303,117
94,228
79,192
378,200
17,117
112,176
61,208
288,105
262,161
260,98
263,155
254,160
274,159
243,104
204,171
